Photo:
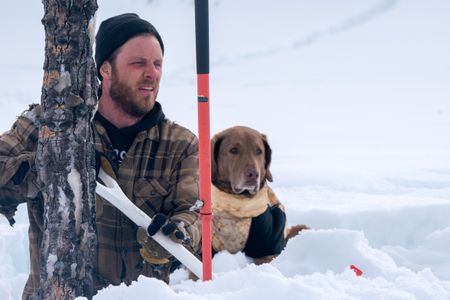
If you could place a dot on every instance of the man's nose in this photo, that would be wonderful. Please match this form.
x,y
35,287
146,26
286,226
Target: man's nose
x,y
151,72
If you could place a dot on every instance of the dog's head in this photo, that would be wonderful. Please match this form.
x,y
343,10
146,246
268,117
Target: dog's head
x,y
240,160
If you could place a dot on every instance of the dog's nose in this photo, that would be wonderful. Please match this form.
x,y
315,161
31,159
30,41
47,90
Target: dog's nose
x,y
251,173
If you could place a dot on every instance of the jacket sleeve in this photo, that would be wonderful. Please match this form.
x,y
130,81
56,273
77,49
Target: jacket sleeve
x,y
17,152
185,192
266,236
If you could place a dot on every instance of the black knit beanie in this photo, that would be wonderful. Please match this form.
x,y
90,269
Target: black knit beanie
x,y
115,31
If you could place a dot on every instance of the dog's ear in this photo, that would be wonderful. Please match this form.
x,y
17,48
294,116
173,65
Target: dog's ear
x,y
268,157
216,141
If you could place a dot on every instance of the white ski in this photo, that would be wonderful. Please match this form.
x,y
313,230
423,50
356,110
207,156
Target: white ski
x,y
112,192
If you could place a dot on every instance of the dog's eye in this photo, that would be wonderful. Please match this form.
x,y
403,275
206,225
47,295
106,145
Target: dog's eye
x,y
258,151
234,150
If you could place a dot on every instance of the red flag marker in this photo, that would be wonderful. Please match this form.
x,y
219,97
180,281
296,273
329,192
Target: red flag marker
x,y
357,271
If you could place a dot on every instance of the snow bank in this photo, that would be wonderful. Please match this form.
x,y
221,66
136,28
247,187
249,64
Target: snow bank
x,y
14,260
314,266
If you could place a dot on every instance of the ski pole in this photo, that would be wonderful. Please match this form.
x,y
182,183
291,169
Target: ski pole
x,y
202,50
112,192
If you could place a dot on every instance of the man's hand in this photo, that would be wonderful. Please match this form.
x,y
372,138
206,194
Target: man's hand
x,y
174,230
101,161
151,251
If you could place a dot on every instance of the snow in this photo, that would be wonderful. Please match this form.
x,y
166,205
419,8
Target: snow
x,y
91,29
51,262
354,98
64,80
74,180
64,207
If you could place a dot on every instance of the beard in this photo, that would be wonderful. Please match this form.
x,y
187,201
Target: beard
x,y
126,98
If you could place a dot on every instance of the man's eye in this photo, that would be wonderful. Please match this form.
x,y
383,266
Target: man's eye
x,y
234,150
258,151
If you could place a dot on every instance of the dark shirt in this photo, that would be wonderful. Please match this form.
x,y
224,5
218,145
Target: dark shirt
x,y
122,138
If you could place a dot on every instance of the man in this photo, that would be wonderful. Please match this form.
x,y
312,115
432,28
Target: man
x,y
154,161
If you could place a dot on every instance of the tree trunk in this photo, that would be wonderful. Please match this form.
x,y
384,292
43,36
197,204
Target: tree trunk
x,y
65,157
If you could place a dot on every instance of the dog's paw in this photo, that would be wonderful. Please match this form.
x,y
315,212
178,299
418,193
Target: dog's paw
x,y
295,230
264,260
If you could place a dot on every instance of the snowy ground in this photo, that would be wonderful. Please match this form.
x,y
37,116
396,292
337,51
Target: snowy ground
x,y
355,99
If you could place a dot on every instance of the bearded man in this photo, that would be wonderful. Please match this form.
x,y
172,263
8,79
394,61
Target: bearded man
x,y
155,161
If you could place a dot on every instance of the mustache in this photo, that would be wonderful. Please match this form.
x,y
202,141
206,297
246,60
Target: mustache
x,y
146,82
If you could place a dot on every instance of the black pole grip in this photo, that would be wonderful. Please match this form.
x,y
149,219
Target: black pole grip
x,y
202,36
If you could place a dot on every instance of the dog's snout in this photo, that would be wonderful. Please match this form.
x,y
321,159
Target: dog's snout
x,y
251,173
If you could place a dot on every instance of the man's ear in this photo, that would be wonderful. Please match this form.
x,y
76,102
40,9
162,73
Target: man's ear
x,y
267,156
216,141
106,69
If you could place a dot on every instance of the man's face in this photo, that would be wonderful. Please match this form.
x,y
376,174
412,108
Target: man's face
x,y
136,74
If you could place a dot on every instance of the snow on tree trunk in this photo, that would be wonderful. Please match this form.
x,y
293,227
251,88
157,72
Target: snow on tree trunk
x,y
65,157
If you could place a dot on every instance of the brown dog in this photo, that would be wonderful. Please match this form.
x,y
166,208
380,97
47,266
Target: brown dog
x,y
240,161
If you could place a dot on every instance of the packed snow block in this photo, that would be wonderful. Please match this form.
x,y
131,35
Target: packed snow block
x,y
224,261
334,250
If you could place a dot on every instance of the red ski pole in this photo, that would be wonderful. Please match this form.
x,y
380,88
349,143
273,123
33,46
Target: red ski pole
x,y
202,50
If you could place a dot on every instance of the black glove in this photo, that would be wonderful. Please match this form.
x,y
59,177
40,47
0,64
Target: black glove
x,y
151,251
266,235
174,230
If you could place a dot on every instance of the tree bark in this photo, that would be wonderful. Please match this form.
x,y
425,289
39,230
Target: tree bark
x,y
65,157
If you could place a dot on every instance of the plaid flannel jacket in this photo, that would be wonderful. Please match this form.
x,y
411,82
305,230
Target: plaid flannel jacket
x,y
159,174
